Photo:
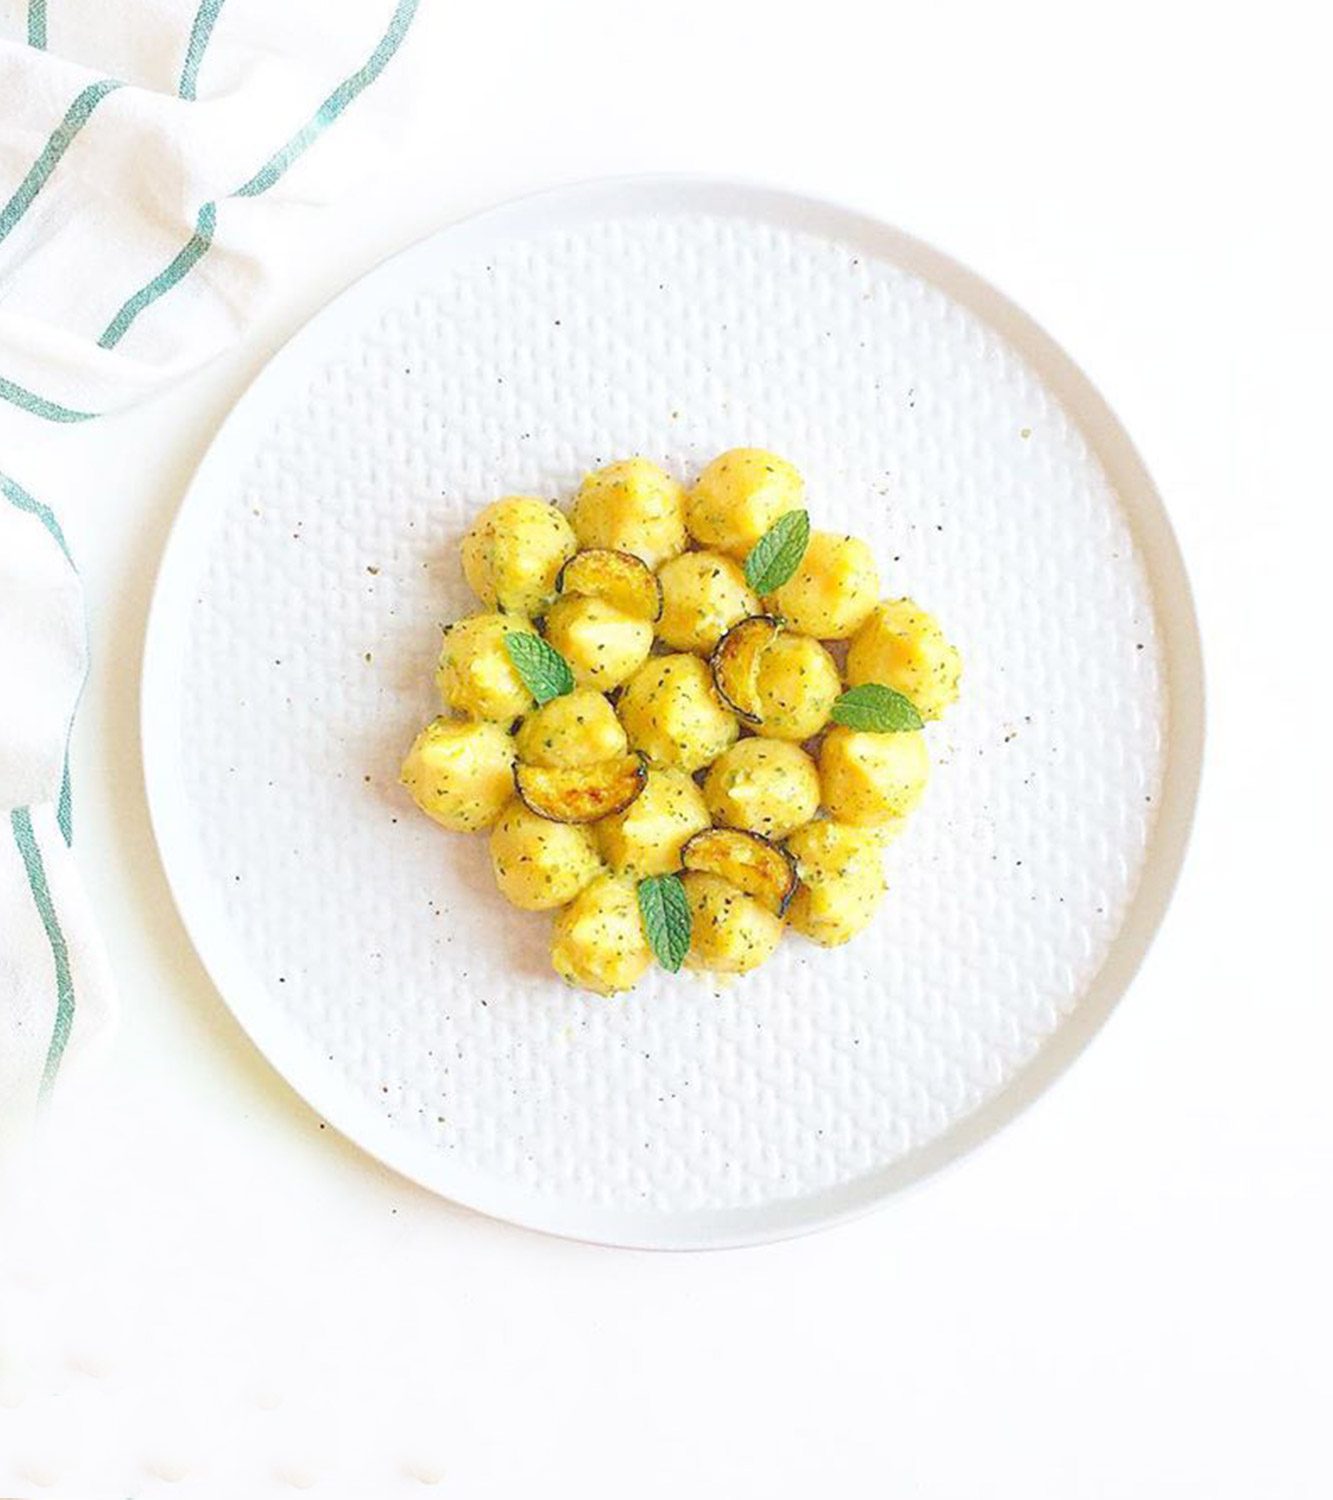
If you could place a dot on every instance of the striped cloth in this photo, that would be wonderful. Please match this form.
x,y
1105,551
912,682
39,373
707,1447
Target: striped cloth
x,y
156,169
147,195
52,971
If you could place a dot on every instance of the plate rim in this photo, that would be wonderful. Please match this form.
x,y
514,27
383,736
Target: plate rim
x,y
1182,654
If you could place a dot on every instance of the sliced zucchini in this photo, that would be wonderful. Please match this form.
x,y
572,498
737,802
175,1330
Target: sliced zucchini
x,y
735,663
619,578
581,794
748,860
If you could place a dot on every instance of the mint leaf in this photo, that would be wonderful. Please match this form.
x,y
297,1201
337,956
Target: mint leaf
x,y
778,553
666,919
877,708
544,671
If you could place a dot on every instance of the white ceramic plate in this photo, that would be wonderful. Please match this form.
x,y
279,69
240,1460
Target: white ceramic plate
x,y
289,663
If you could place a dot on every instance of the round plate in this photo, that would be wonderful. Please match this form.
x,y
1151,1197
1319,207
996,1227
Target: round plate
x,y
289,663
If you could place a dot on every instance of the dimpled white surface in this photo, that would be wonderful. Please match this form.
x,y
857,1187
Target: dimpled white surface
x,y
291,662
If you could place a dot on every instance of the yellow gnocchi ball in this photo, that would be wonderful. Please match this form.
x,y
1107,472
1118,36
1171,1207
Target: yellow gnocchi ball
x,y
902,646
672,713
739,496
730,932
513,551
539,864
460,773
796,684
833,589
475,675
765,786
631,506
871,779
646,839
602,644
703,595
598,943
578,729
841,870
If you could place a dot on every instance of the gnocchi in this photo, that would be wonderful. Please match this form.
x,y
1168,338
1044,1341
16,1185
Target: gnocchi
x,y
598,943
602,644
576,729
646,839
539,864
833,589
703,595
840,870
631,506
460,772
648,719
475,674
739,496
902,646
730,932
513,553
872,779
796,686
672,713
764,786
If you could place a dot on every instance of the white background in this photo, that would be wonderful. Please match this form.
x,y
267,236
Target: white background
x,y
1127,1292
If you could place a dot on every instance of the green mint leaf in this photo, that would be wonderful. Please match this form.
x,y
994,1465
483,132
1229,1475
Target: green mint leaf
x,y
875,707
666,919
778,553
544,671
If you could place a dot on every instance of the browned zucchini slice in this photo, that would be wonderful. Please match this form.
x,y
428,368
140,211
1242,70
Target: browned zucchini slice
x,y
748,860
619,578
735,663
581,794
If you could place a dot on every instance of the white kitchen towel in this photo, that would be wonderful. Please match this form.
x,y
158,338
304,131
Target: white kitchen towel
x,y
55,986
156,161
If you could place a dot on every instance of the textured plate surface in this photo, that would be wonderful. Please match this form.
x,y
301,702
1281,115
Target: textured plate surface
x,y
290,658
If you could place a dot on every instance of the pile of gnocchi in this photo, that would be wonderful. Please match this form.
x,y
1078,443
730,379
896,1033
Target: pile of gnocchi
x,y
688,721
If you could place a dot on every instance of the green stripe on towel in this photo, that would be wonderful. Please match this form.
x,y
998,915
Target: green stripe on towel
x,y
197,246
37,23
165,279
39,406
22,500
65,806
204,20
21,823
334,105
76,117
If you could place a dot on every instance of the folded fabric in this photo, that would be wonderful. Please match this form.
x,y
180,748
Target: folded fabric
x,y
148,197
156,159
55,986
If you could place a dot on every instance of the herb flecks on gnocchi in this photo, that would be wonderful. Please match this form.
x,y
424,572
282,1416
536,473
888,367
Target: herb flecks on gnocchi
x,y
902,646
513,553
476,675
599,943
672,713
631,506
647,717
833,589
648,836
539,864
461,772
769,787
603,645
781,683
739,496
703,595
